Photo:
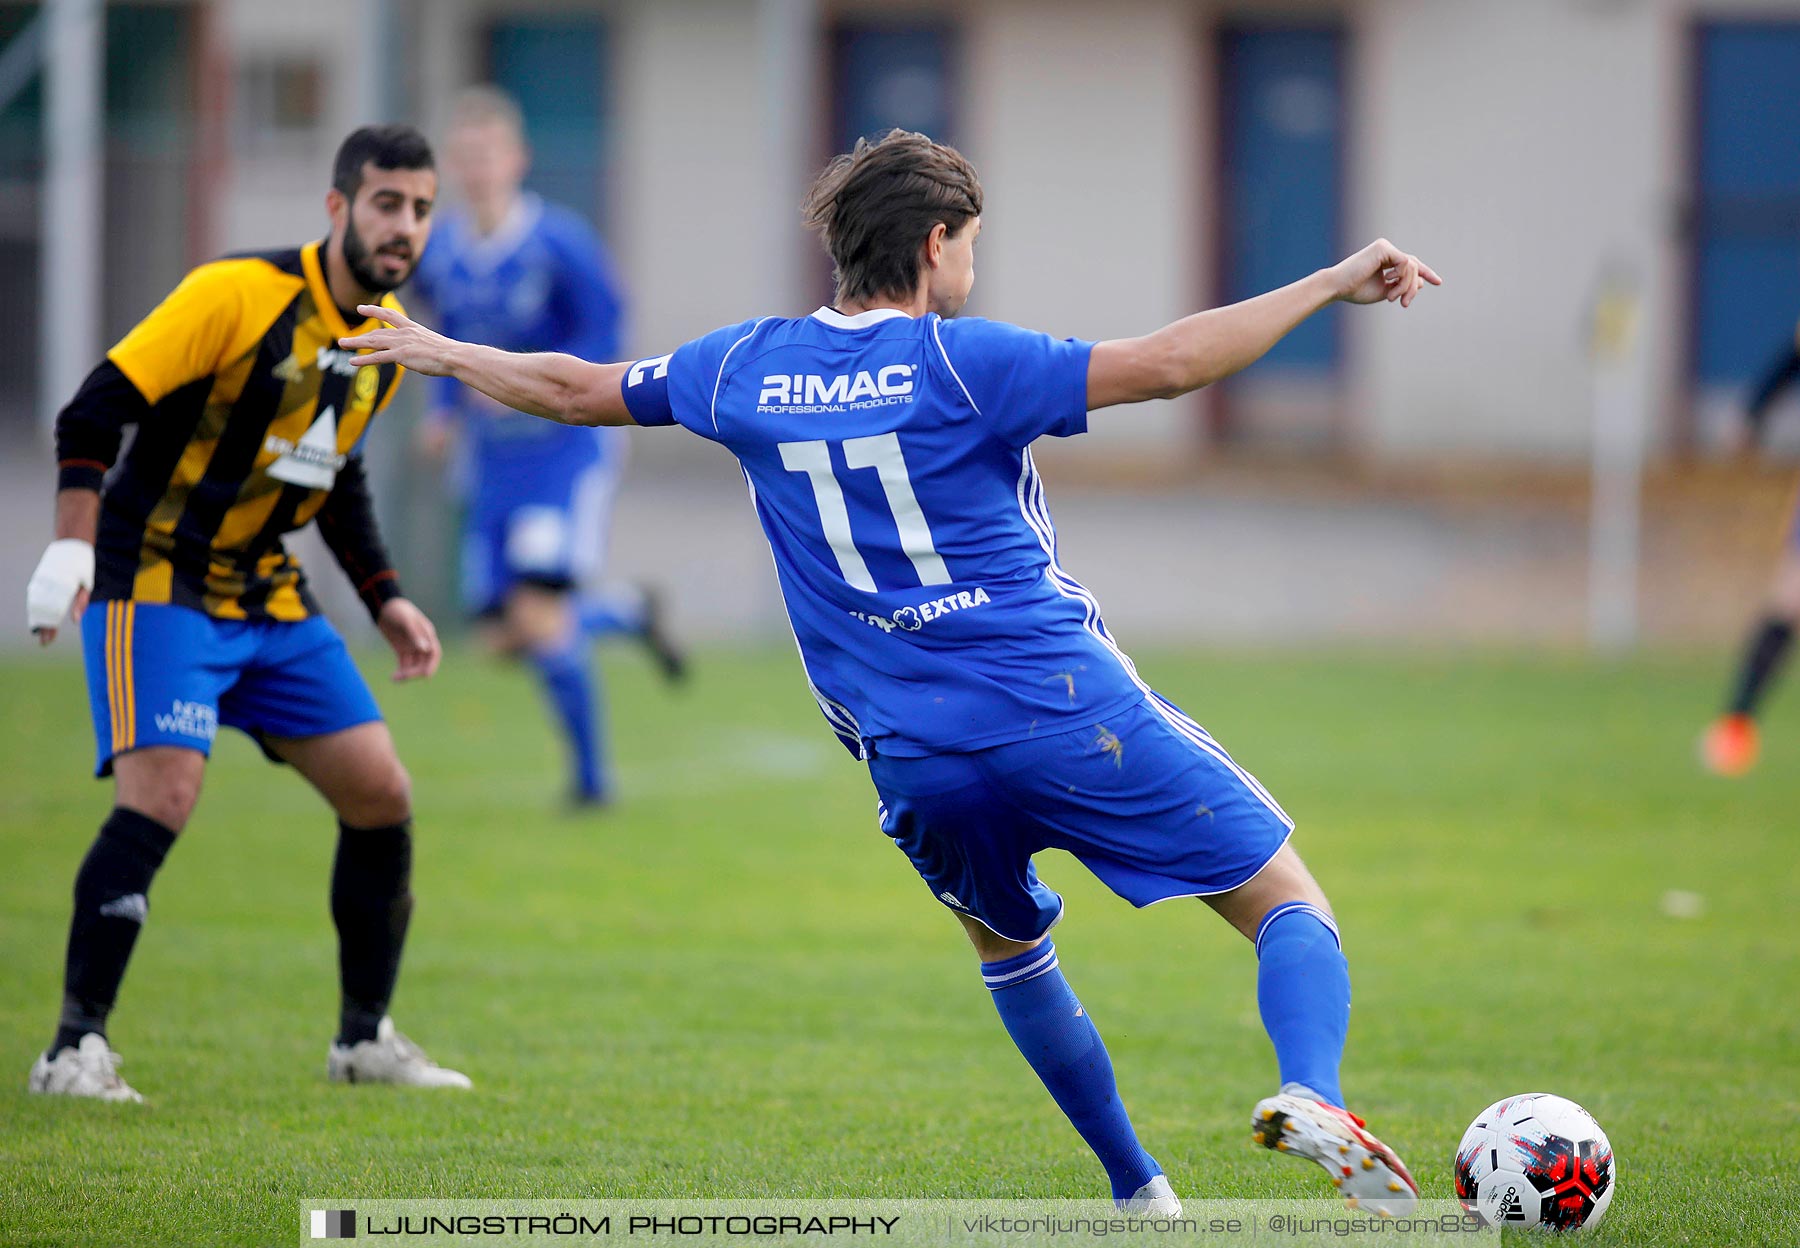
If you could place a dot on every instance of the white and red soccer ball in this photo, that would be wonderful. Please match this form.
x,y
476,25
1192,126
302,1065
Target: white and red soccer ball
x,y
1535,1160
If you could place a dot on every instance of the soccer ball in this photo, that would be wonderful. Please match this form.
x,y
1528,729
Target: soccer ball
x,y
1535,1160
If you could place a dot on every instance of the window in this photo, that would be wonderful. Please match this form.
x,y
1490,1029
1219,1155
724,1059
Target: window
x,y
280,105
555,67
1747,198
887,76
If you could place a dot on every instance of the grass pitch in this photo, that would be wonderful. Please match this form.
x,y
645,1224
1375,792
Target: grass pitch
x,y
733,986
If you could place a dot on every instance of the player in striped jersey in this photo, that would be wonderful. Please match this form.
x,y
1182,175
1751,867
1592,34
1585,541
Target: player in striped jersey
x,y
886,446
250,423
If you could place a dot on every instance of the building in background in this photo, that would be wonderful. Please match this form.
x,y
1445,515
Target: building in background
x,y
158,194
1143,158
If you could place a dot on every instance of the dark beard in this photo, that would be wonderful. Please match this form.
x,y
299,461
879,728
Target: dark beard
x,y
356,259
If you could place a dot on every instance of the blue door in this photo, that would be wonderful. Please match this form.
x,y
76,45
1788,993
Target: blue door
x,y
555,67
1282,139
1747,201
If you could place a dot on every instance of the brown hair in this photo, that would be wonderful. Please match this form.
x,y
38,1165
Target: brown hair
x,y
874,206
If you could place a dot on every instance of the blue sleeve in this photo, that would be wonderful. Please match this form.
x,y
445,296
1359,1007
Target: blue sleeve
x,y
679,388
588,303
1023,383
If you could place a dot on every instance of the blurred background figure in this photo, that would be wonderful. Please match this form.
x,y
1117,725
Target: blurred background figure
x,y
1734,742
511,270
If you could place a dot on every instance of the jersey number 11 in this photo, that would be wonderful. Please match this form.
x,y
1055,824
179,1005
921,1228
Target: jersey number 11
x,y
882,453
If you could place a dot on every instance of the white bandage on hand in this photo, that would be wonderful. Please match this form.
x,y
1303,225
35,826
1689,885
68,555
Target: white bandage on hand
x,y
66,569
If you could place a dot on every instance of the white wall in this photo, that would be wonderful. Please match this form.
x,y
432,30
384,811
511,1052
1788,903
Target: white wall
x,y
689,101
1083,126
276,198
1519,148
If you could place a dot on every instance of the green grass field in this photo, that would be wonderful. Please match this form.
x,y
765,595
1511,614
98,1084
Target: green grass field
x,y
732,985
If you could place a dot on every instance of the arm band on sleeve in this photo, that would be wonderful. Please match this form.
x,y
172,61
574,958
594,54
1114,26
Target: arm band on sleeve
x,y
88,430
347,523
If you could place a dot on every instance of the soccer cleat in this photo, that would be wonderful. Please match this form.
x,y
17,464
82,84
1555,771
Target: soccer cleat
x,y
1731,746
1155,1199
389,1058
671,660
89,1069
1365,1171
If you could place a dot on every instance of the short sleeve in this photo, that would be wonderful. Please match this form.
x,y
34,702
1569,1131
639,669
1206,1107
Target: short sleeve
x,y
681,387
190,334
1023,383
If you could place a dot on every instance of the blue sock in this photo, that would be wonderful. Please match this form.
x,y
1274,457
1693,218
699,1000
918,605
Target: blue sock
x,y
575,699
1059,1040
610,614
1303,987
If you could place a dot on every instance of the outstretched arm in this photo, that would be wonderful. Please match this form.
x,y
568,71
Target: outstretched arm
x,y
556,387
1210,346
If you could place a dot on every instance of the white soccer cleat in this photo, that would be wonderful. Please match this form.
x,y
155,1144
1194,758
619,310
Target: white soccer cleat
x,y
89,1069
390,1058
1155,1199
1366,1172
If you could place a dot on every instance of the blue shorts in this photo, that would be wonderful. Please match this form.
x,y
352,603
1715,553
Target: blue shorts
x,y
544,528
1146,800
166,675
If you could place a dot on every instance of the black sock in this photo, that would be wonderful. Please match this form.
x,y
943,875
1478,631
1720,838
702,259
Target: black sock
x,y
111,903
371,902
1762,661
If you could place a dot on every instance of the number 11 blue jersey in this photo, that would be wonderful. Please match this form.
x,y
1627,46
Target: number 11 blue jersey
x,y
888,459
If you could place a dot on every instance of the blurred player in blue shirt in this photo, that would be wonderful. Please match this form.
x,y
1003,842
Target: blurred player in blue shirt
x,y
886,444
524,275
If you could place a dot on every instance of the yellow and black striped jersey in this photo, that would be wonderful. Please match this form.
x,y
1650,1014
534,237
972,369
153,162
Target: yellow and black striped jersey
x,y
249,421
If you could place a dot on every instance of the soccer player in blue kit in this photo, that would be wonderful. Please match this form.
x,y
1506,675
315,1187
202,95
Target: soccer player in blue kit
x,y
887,450
514,271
